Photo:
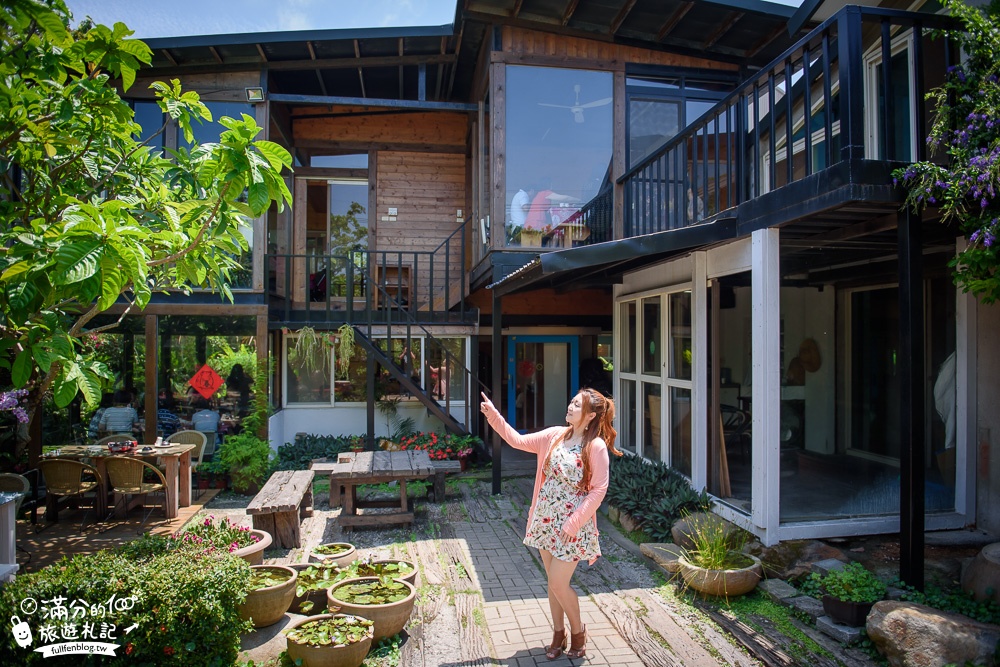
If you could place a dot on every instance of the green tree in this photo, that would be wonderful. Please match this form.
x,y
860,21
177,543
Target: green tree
x,y
90,215
966,133
346,232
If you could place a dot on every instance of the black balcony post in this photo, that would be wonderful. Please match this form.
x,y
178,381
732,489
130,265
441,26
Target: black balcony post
x,y
497,382
887,111
852,89
918,86
911,399
827,100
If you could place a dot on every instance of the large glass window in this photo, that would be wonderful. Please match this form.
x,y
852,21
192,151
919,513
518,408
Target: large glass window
x,y
209,131
559,145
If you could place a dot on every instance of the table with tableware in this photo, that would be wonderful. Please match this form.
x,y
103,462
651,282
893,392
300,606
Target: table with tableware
x,y
176,458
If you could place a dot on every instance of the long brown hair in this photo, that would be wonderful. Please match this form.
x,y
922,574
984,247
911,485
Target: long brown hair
x,y
601,426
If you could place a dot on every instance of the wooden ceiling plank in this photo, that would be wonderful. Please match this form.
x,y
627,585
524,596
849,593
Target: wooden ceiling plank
x,y
723,28
215,54
765,40
674,19
570,8
169,57
260,50
361,75
622,15
517,8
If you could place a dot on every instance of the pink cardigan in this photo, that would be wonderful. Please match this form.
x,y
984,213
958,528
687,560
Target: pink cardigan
x,y
541,443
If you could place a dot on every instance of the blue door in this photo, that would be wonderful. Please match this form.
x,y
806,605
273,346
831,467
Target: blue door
x,y
543,374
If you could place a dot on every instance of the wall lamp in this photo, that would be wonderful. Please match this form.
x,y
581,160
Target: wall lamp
x,y
255,94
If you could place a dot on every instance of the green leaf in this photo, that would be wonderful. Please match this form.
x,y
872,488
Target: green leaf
x,y
275,154
21,372
77,261
63,392
257,197
90,385
42,356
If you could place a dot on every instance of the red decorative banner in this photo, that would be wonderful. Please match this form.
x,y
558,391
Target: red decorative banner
x,y
206,381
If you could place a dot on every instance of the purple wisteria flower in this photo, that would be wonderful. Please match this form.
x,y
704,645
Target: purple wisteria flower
x,y
10,401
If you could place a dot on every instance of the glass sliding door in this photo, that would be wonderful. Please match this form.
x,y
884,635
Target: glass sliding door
x,y
544,375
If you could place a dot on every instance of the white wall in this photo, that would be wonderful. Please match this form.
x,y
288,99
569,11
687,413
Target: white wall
x,y
348,420
986,440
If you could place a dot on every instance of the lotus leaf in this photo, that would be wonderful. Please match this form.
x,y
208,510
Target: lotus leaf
x,y
339,631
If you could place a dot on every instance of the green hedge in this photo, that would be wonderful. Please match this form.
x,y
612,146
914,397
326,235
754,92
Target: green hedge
x,y
185,607
653,493
297,455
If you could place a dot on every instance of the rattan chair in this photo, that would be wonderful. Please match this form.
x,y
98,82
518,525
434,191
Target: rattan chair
x,y
126,476
14,483
188,438
65,478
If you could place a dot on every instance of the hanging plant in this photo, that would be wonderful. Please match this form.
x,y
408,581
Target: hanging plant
x,y
311,351
345,349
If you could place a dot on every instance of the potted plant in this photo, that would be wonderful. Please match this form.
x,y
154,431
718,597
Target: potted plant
x,y
330,640
384,600
392,567
246,543
340,554
247,456
311,585
716,564
272,588
850,593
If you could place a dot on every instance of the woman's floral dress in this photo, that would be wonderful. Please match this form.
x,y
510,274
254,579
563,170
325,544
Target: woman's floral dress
x,y
557,500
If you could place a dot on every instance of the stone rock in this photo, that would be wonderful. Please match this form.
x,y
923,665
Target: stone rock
x,y
665,555
614,513
807,605
629,523
826,566
778,590
845,634
982,577
793,559
913,635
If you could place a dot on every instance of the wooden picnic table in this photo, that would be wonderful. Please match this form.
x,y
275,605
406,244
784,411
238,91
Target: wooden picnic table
x,y
374,468
176,458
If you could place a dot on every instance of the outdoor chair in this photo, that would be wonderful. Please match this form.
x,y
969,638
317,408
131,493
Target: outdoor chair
x,y
64,478
127,478
200,442
14,483
736,429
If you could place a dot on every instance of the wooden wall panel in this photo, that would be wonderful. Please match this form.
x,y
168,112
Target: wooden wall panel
x,y
401,129
218,86
427,190
523,42
547,302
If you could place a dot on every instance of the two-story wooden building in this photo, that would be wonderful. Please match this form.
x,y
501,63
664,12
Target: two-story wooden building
x,y
696,194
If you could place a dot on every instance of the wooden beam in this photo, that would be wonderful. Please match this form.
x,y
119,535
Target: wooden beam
x,y
454,66
570,8
166,54
372,102
260,50
361,75
866,228
215,53
517,9
622,15
440,77
764,41
400,51
674,19
319,74
723,28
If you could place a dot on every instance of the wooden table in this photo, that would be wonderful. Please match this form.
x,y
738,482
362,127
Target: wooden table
x,y
565,233
374,468
178,471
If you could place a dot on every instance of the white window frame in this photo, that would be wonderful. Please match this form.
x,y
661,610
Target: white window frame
x,y
873,58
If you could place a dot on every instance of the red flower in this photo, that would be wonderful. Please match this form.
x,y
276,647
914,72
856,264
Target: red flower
x,y
168,650
129,648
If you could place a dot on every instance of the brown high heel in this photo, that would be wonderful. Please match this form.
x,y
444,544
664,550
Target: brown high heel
x,y
577,644
558,645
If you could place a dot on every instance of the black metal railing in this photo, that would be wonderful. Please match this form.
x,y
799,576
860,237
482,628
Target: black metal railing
x,y
827,99
430,285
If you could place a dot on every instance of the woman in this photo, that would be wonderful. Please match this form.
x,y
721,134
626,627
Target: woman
x,y
570,483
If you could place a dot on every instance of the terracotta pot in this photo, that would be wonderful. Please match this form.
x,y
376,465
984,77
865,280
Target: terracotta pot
x,y
317,597
341,560
254,554
267,606
463,462
853,614
327,656
389,618
722,583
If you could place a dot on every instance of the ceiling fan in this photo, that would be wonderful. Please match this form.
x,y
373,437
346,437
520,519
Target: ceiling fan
x,y
577,109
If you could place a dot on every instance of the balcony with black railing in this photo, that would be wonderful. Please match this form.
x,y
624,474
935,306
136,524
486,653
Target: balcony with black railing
x,y
827,105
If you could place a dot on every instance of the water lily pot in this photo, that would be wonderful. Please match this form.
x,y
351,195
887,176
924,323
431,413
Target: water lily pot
x,y
254,554
351,655
266,606
342,559
389,618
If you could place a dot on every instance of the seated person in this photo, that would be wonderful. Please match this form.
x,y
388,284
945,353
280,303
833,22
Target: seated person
x,y
121,417
205,419
167,422
94,429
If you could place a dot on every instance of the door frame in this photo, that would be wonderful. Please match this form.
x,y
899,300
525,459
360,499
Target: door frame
x,y
574,366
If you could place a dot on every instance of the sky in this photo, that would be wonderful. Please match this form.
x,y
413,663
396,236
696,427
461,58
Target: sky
x,y
156,18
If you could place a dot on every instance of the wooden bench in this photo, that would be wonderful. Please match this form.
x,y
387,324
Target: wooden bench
x,y
284,501
440,469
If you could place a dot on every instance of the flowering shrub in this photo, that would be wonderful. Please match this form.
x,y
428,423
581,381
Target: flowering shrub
x,y
966,130
440,447
211,536
10,401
